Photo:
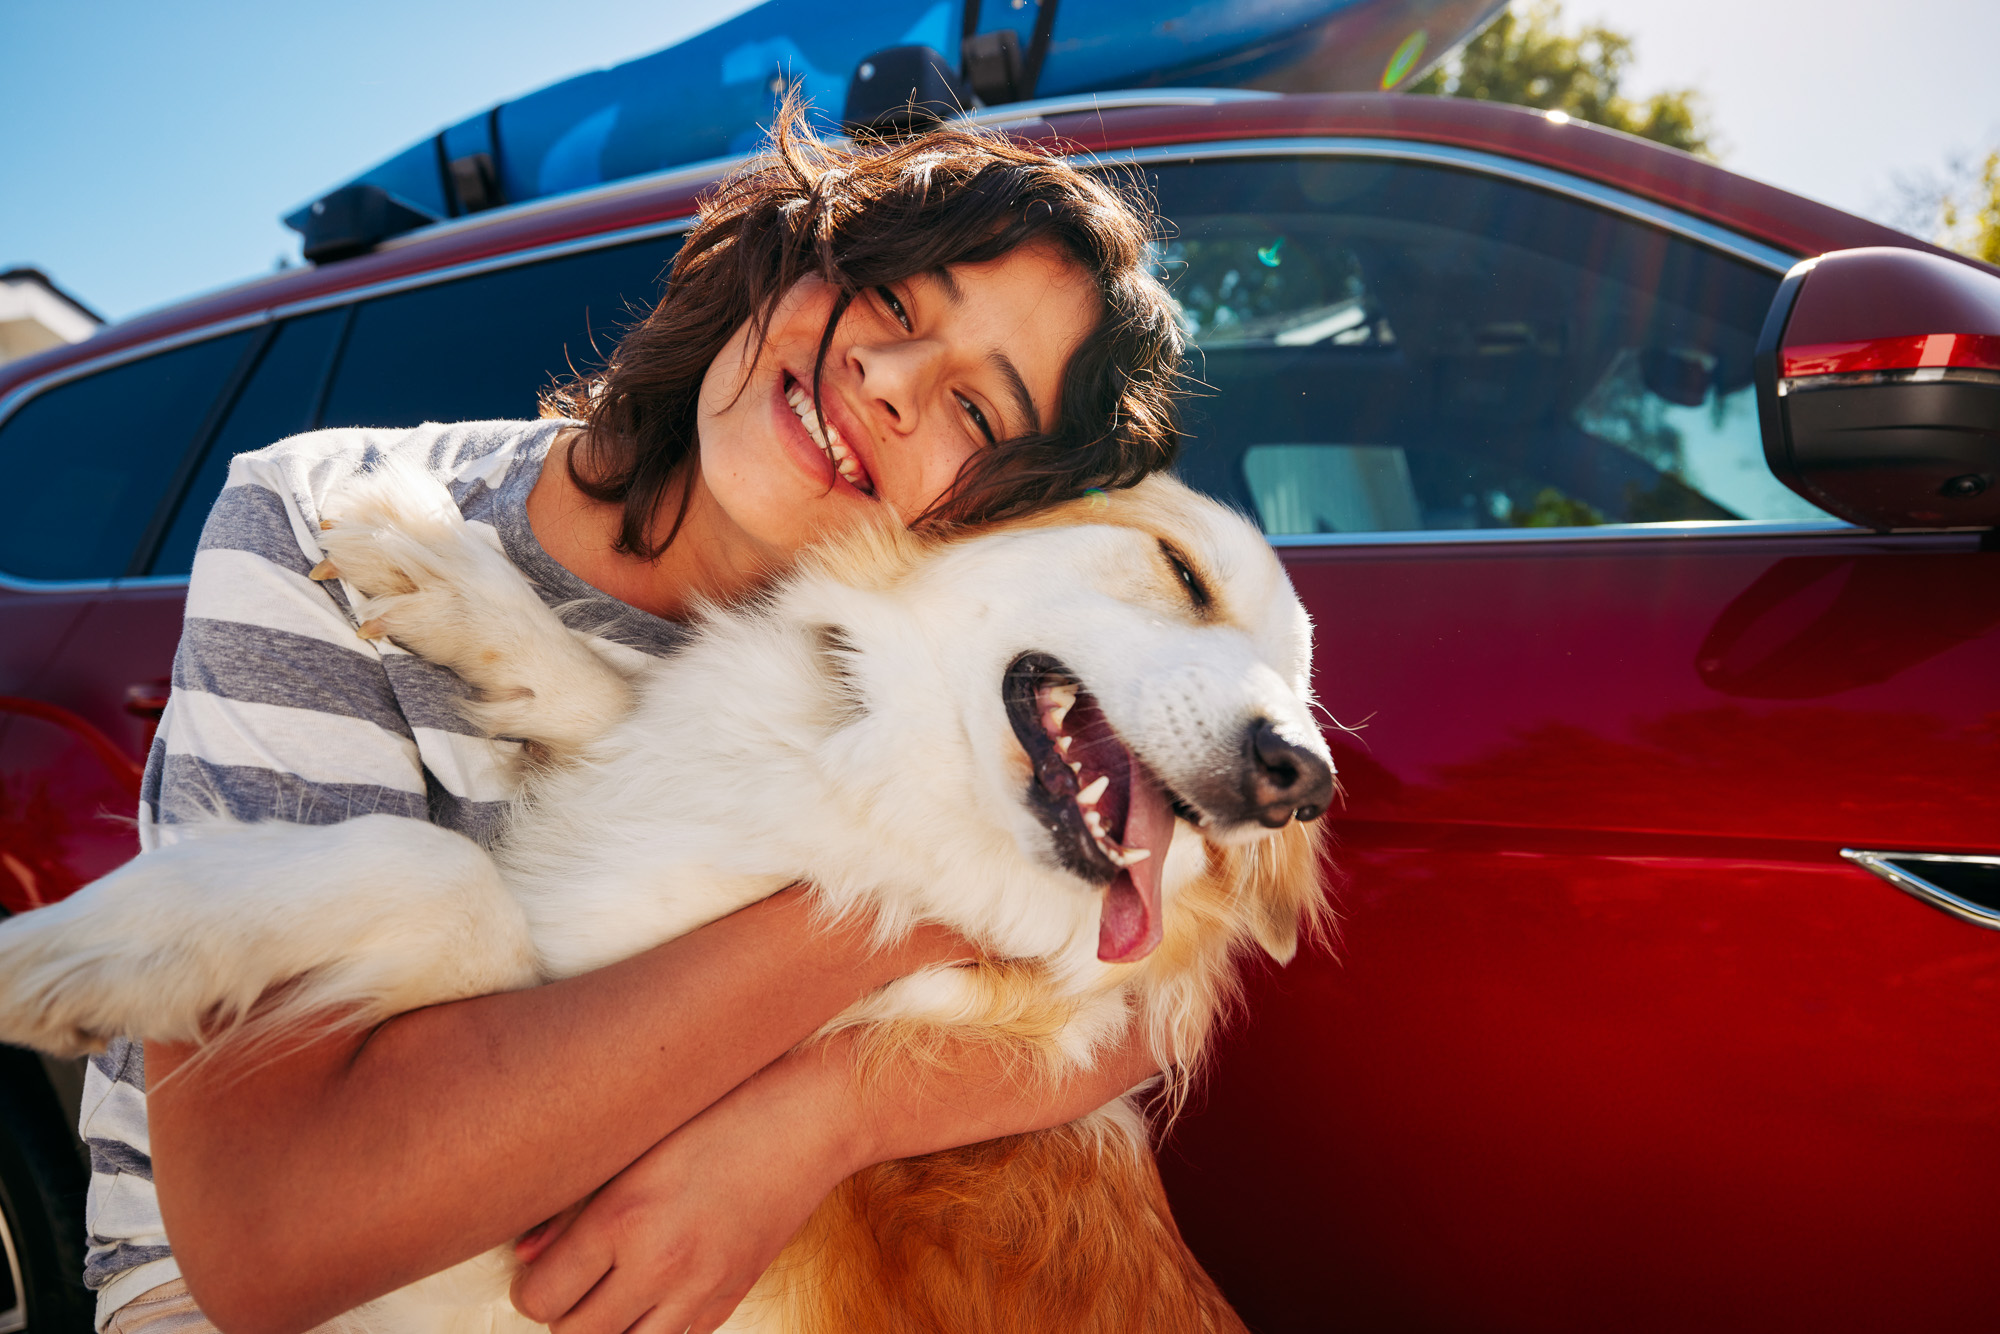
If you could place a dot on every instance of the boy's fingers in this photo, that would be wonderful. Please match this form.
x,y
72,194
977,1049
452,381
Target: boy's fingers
x,y
536,1240
613,1306
562,1276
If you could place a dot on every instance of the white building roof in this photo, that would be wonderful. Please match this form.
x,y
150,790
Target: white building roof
x,y
36,314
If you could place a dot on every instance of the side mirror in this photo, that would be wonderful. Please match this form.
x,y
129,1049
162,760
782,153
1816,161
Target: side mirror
x,y
1878,387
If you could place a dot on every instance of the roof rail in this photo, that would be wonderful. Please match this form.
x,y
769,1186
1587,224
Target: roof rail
x,y
1013,113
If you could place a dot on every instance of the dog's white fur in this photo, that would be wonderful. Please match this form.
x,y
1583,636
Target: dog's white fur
x,y
847,729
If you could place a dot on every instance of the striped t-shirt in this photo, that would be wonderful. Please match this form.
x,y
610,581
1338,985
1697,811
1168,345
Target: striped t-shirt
x,y
280,711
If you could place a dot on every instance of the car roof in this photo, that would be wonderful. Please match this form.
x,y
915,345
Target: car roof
x,y
1637,166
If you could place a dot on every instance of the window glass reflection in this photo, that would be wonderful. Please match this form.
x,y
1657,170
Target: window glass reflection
x,y
1391,345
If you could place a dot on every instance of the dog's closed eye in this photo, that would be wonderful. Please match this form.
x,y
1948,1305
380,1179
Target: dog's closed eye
x,y
1191,583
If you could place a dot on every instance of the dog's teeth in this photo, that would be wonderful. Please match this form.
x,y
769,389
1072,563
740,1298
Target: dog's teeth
x,y
1076,767
1129,856
1062,696
1095,824
1062,745
1089,796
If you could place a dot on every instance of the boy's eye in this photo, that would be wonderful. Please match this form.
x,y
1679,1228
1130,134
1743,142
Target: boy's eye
x,y
895,307
978,419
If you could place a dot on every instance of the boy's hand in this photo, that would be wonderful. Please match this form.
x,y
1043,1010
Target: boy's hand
x,y
676,1240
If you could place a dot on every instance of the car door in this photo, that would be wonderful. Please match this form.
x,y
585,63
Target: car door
x,y
1611,1035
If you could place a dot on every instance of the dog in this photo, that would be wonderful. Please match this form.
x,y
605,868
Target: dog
x,y
1083,739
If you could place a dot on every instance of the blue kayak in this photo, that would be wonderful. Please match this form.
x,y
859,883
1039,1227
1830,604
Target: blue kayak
x,y
709,96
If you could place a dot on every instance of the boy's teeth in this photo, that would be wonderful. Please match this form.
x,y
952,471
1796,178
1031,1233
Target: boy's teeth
x,y
826,437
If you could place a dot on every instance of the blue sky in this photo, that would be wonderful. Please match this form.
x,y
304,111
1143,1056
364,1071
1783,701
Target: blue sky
x,y
148,149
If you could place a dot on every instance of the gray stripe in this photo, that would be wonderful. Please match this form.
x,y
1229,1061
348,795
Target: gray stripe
x,y
476,500
254,664
123,1061
430,695
481,821
581,606
112,1157
149,782
194,790
455,447
252,518
103,1265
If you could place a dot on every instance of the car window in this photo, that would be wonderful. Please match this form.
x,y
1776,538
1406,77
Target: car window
x,y
1387,345
87,462
483,347
278,400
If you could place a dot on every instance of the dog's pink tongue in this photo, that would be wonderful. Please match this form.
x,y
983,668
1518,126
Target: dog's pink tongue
x,y
1128,925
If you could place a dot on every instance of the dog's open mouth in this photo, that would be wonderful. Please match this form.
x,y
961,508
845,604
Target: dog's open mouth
x,y
1109,819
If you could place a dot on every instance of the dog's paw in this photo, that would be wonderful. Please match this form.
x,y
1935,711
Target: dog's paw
x,y
425,579
388,531
431,583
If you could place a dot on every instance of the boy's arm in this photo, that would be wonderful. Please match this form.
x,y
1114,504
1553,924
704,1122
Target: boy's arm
x,y
297,1187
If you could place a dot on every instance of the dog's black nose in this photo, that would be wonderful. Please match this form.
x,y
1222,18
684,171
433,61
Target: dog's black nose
x,y
1285,779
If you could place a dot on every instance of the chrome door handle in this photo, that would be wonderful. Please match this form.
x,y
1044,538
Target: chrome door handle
x,y
148,700
1967,887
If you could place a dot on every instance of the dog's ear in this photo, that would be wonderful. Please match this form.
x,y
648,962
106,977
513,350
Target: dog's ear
x,y
834,652
1285,890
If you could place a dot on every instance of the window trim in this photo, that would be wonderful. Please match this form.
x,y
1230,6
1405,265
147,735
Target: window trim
x,y
270,315
1636,207
1679,530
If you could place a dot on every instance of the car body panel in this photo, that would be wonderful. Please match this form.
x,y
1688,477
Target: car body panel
x,y
1610,1035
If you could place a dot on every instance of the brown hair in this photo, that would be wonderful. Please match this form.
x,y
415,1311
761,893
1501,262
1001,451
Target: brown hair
x,y
872,215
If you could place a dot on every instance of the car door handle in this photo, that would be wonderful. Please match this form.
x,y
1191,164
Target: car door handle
x,y
147,700
1967,887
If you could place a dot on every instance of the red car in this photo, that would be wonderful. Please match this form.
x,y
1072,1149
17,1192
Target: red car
x,y
1661,998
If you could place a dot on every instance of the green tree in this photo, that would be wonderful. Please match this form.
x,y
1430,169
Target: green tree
x,y
1958,207
1526,58
1969,217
